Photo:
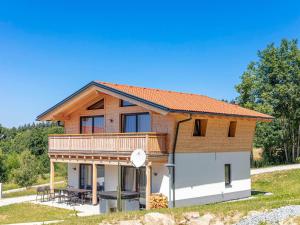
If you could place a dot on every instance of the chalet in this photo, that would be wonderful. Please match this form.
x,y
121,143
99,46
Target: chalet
x,y
197,148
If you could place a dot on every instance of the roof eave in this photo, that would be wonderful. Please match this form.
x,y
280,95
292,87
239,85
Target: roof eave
x,y
93,83
259,118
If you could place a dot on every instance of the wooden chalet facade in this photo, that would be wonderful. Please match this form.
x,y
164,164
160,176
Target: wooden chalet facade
x,y
105,122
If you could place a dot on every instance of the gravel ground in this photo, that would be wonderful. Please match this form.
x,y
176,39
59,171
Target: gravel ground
x,y
273,217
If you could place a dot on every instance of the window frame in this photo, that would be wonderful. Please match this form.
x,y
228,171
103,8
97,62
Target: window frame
x,y
227,184
93,122
93,105
136,121
129,105
203,127
232,134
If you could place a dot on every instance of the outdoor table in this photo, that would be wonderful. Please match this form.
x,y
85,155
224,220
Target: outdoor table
x,y
81,192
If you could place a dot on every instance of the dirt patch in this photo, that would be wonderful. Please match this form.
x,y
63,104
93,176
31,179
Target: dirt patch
x,y
3,217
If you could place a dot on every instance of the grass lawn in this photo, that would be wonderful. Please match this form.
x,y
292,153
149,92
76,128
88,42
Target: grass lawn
x,y
29,191
41,180
28,212
285,187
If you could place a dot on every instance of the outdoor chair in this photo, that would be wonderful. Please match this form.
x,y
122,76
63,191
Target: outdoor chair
x,y
40,192
71,198
58,194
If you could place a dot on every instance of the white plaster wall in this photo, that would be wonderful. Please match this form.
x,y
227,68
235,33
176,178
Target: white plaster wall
x,y
201,175
73,175
160,179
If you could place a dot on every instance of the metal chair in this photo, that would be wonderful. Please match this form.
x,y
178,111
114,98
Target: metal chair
x,y
40,192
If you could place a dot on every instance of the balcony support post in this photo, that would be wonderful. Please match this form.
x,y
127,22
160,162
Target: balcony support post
x,y
94,189
148,185
52,174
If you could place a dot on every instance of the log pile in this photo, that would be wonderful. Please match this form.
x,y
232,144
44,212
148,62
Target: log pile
x,y
158,201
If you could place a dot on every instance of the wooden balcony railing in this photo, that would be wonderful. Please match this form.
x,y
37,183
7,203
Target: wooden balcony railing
x,y
107,142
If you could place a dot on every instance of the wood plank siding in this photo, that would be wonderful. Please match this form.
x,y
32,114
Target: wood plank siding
x,y
215,140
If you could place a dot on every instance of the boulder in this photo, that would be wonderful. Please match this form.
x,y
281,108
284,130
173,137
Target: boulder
x,y
130,222
158,219
191,215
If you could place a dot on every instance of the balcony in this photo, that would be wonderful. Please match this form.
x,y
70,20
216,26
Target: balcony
x,y
107,143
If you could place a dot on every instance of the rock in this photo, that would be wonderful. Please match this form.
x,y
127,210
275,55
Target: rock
x,y
130,222
194,219
158,219
191,215
217,222
206,219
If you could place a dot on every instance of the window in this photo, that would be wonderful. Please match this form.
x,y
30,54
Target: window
x,y
100,177
97,105
128,178
227,174
85,176
91,124
124,103
200,128
137,122
232,129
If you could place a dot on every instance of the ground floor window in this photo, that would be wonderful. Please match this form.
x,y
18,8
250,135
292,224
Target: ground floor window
x,y
86,177
227,174
134,179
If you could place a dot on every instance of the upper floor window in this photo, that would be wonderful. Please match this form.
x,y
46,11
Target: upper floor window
x,y
232,129
124,103
136,122
97,105
200,128
91,124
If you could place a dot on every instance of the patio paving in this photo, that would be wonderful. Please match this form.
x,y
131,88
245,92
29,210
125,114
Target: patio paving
x,y
83,210
10,201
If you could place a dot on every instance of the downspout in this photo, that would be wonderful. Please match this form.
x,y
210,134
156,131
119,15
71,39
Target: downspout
x,y
173,154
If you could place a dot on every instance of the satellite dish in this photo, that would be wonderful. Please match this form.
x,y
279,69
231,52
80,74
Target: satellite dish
x,y
138,158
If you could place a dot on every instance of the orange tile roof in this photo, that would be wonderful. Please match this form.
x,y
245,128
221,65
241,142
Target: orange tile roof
x,y
177,101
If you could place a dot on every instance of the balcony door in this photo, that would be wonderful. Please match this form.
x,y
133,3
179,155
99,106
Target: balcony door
x,y
91,124
136,122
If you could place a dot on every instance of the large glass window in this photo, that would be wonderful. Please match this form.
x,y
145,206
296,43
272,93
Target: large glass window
x,y
138,122
100,177
85,176
128,178
91,124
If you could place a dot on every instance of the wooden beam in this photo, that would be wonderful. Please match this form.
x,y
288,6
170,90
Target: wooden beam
x,y
52,174
95,200
148,185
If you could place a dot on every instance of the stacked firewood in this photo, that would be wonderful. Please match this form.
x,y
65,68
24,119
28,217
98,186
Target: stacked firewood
x,y
158,201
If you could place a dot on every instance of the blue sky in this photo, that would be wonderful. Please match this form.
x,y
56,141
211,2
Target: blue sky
x,y
49,49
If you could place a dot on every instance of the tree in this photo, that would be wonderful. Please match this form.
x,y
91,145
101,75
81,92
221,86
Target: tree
x,y
3,174
27,174
272,85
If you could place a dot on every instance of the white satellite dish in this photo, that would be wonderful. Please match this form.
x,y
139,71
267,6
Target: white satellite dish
x,y
138,158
